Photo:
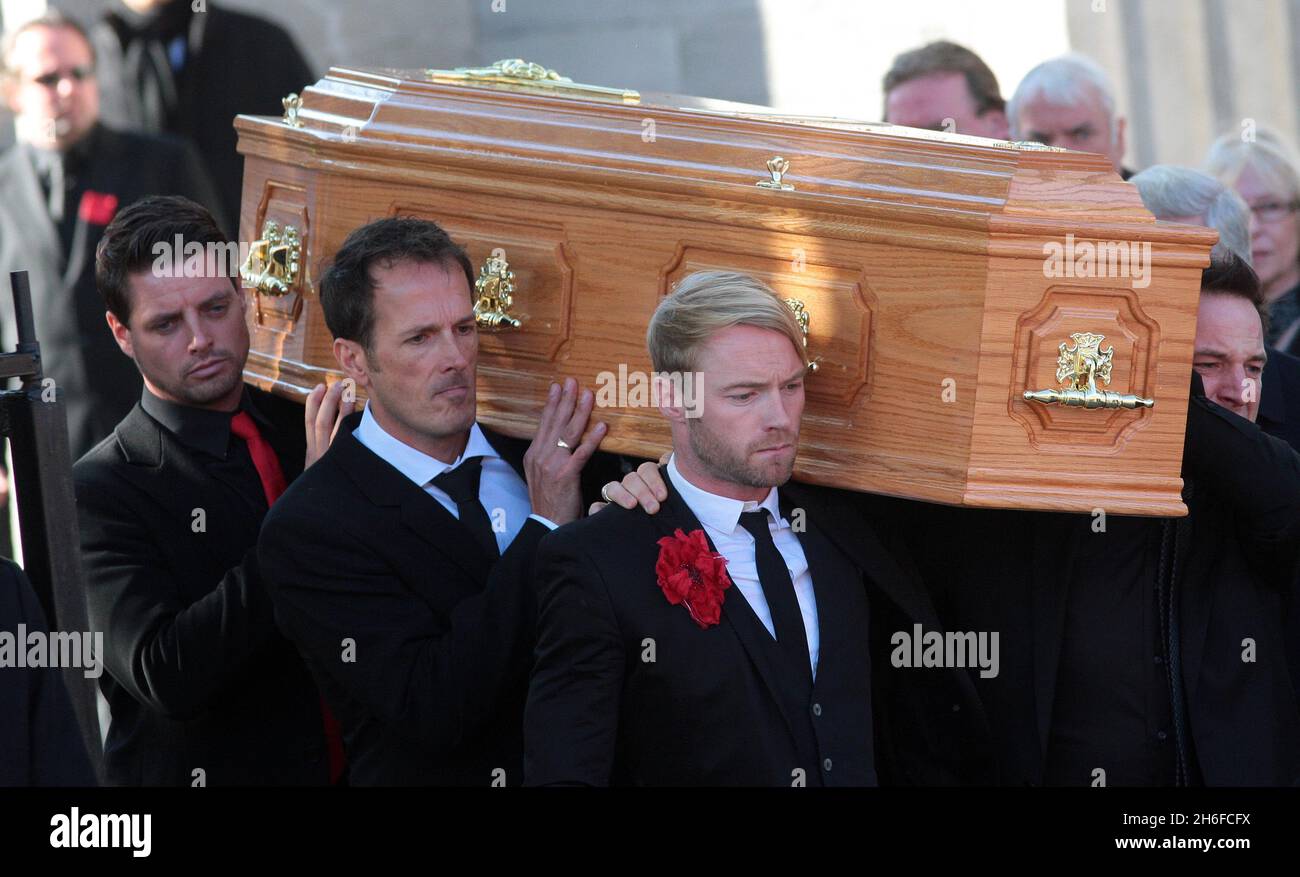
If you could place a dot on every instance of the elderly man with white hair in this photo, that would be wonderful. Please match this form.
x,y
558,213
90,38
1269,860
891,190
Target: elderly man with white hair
x,y
1069,102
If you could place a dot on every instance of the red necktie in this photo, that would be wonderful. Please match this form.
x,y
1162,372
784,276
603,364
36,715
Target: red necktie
x,y
271,475
264,458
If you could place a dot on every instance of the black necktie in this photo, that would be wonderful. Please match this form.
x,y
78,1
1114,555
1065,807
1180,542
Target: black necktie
x,y
774,576
461,484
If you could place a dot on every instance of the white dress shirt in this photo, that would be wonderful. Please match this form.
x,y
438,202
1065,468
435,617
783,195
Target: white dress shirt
x,y
503,493
720,516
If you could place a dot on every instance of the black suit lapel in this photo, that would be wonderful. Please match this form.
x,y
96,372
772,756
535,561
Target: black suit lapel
x,y
167,471
101,172
831,573
384,485
737,614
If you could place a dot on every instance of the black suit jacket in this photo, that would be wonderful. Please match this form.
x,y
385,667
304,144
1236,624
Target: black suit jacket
x,y
197,675
1012,571
97,383
714,706
359,557
39,736
1279,402
216,84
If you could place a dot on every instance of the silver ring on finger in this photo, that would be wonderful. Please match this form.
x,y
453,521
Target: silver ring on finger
x,y
604,494
561,443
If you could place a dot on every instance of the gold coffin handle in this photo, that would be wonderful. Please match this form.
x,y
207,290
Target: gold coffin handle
x,y
275,261
801,314
494,295
1078,368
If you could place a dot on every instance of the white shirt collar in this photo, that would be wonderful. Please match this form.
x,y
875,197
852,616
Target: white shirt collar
x,y
722,513
416,465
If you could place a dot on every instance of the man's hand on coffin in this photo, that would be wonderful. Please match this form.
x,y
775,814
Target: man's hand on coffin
x,y
553,463
644,487
324,412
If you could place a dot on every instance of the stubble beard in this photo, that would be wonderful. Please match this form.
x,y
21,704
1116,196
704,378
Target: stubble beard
x,y
724,463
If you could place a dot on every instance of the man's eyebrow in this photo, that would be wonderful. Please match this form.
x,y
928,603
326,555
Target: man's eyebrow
x,y
432,328
1210,352
739,385
219,295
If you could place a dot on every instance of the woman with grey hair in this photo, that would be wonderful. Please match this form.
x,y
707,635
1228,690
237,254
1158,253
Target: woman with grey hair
x,y
1267,176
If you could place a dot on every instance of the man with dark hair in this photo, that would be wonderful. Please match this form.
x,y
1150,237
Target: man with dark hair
x,y
180,67
60,185
942,86
401,563
202,687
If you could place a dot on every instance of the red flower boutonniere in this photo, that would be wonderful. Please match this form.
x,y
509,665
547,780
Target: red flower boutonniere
x,y
97,208
690,573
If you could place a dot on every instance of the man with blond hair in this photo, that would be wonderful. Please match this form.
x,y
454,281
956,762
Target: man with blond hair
x,y
726,639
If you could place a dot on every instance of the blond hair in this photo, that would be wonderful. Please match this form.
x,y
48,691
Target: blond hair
x,y
707,302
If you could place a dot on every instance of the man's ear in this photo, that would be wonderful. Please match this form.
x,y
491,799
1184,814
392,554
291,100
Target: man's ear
x,y
671,404
121,334
352,359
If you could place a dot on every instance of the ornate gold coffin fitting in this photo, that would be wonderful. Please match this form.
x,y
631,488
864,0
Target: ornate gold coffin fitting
x,y
922,258
1079,369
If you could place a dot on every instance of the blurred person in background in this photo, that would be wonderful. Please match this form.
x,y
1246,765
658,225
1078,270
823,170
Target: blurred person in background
x,y
942,86
1266,174
60,185
188,68
1069,102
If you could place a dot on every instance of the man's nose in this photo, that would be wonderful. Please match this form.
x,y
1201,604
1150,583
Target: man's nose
x,y
776,413
199,339
454,357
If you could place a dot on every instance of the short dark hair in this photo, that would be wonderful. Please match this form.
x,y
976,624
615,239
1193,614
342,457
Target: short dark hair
x,y
51,18
347,290
130,241
942,56
1229,274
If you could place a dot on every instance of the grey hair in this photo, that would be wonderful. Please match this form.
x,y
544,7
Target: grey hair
x,y
1269,155
1061,82
1169,191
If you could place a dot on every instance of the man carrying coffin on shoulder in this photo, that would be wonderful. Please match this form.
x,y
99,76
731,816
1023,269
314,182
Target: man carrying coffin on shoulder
x,y
401,566
727,639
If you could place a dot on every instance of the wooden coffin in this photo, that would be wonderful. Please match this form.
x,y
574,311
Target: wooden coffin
x,y
944,277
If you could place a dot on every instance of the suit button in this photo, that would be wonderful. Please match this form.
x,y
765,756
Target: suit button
x,y
817,709
1161,736
1159,660
956,707
826,765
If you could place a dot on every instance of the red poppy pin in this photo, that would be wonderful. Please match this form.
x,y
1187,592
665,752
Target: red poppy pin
x,y
690,573
97,208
